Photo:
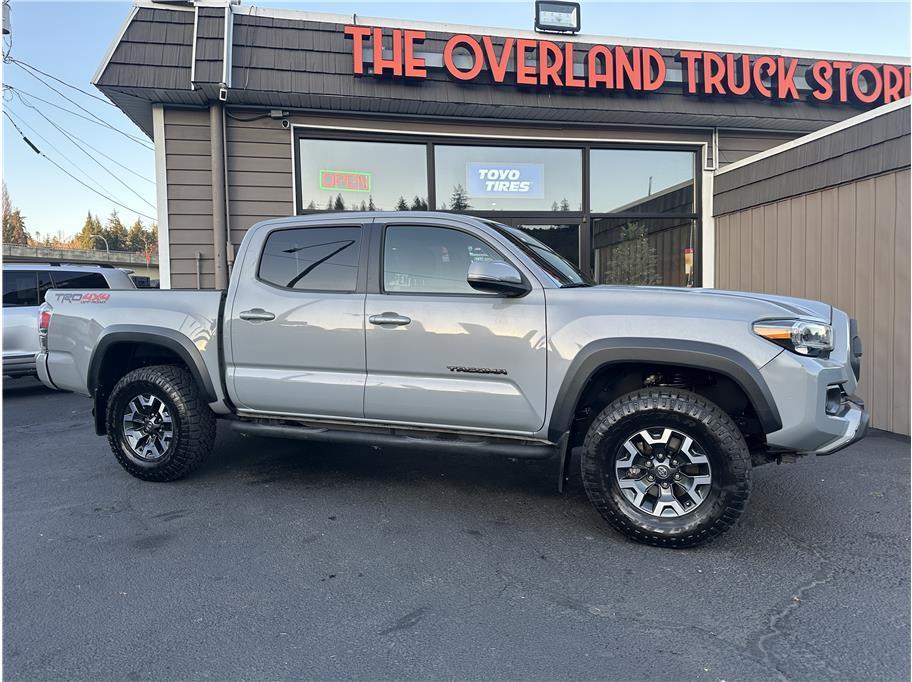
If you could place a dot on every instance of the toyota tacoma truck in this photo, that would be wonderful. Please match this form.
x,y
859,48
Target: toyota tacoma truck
x,y
433,330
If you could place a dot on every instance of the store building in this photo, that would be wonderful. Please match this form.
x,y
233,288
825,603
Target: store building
x,y
613,151
610,161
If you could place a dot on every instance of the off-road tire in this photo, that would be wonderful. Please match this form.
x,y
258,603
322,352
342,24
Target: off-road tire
x,y
193,422
721,440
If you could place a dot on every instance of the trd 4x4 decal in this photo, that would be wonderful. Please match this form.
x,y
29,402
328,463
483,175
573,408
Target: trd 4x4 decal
x,y
83,298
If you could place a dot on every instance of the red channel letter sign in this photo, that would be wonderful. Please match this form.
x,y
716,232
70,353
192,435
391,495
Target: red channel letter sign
x,y
635,69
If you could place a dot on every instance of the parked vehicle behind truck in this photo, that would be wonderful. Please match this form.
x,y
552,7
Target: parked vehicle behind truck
x,y
442,330
24,286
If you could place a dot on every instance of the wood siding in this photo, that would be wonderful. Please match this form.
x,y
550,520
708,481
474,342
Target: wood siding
x,y
846,245
876,146
189,176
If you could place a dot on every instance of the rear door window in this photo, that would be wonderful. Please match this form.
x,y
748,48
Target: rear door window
x,y
20,288
312,258
78,280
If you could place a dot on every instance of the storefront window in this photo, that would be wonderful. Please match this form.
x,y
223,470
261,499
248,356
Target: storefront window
x,y
345,175
508,179
644,251
641,181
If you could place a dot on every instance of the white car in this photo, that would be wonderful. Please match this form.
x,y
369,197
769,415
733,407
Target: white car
x,y
24,286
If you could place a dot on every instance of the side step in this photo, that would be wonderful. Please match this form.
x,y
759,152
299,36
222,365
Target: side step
x,y
398,439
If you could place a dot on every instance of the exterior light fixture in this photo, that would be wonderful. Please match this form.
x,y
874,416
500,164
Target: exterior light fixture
x,y
557,16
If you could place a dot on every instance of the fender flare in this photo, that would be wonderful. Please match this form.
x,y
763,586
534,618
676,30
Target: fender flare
x,y
682,353
158,336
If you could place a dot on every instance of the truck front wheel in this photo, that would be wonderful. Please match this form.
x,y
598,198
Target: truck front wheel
x,y
666,467
159,426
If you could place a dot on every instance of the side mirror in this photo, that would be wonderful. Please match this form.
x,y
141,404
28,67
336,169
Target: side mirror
x,y
497,277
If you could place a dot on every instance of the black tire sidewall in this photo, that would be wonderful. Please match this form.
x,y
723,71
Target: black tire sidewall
x,y
123,394
702,421
691,522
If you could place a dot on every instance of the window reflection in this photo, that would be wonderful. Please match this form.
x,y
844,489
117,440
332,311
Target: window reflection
x,y
508,178
644,251
344,175
641,181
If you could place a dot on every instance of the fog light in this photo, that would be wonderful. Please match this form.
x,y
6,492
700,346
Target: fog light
x,y
833,400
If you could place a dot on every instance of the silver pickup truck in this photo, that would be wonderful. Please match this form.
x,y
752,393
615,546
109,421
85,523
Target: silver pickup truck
x,y
437,330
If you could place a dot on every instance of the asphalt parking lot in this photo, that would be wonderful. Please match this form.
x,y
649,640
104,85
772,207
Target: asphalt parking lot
x,y
283,560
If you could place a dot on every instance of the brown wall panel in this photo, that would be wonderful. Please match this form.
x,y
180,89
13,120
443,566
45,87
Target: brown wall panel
x,y
900,363
848,246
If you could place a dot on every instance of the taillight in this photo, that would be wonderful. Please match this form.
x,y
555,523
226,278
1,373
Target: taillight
x,y
44,321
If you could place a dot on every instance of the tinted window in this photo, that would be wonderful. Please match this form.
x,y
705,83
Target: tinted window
x,y
20,288
431,260
313,258
508,179
78,280
341,175
641,181
554,264
644,251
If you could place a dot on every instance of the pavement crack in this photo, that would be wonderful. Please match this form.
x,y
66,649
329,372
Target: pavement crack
x,y
761,645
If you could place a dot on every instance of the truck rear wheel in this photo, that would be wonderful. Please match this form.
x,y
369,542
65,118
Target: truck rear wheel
x,y
159,426
666,467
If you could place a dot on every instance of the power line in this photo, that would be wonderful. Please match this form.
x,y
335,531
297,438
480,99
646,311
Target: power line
x,y
96,120
26,67
82,149
71,101
64,170
9,113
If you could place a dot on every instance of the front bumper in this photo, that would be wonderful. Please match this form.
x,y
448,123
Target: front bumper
x,y
858,420
799,387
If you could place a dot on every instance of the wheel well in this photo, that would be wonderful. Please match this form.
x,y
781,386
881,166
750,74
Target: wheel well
x,y
121,358
614,380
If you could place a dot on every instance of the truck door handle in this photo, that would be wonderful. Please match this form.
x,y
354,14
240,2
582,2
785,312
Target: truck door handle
x,y
392,319
257,315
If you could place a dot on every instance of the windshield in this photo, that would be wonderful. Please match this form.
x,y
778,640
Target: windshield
x,y
551,262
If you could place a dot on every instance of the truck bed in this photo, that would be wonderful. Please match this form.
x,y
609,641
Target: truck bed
x,y
84,322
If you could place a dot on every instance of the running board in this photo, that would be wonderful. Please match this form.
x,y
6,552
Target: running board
x,y
390,438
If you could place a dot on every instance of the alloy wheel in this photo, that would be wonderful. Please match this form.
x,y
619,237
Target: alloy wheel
x,y
148,429
663,472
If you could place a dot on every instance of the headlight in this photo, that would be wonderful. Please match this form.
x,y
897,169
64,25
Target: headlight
x,y
799,336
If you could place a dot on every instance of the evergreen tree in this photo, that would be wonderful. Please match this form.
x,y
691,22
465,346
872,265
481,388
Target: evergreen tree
x,y
115,232
370,203
419,204
339,204
14,231
633,260
363,205
91,226
554,207
311,206
401,205
459,201
564,204
137,237
329,204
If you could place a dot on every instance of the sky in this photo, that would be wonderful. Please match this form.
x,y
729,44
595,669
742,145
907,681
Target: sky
x,y
68,40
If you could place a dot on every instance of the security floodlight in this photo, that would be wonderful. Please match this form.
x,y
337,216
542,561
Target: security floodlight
x,y
557,16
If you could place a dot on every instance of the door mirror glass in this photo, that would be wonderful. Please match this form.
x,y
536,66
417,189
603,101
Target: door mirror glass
x,y
496,277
